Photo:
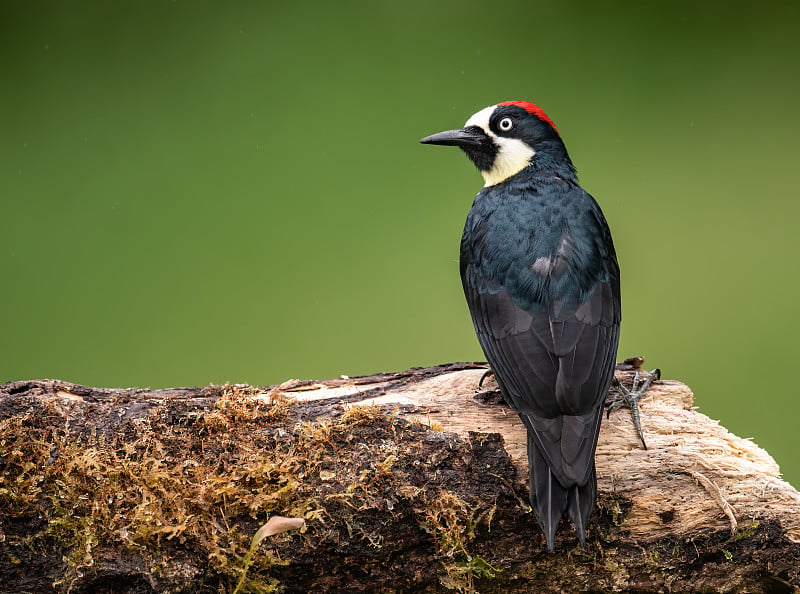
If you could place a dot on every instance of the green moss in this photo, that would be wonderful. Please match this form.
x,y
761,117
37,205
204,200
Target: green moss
x,y
144,492
748,531
452,522
180,484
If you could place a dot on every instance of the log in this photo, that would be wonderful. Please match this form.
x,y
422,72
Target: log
x,y
399,482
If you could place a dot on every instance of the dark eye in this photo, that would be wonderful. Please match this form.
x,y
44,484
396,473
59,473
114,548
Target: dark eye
x,y
505,124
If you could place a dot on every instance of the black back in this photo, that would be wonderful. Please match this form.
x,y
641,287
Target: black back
x,y
541,279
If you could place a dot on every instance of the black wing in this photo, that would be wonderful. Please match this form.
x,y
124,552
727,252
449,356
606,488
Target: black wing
x,y
542,283
554,367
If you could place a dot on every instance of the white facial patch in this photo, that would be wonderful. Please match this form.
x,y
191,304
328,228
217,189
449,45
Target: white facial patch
x,y
513,155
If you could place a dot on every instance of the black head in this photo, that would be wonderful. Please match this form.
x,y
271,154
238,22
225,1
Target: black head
x,y
503,139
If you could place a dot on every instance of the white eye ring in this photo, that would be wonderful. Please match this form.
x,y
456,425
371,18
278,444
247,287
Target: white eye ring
x,y
505,124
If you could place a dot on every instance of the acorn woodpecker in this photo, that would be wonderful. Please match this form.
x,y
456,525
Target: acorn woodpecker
x,y
541,279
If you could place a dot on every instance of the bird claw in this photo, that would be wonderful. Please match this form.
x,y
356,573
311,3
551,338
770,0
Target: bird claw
x,y
491,396
631,398
487,374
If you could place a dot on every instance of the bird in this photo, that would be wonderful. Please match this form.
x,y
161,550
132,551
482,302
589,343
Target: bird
x,y
542,283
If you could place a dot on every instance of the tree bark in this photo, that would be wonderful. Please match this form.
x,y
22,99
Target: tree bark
x,y
397,482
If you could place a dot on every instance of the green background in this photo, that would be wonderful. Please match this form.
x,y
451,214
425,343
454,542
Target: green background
x,y
197,192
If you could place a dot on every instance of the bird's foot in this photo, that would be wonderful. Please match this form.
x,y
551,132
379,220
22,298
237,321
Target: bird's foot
x,y
631,398
486,374
490,396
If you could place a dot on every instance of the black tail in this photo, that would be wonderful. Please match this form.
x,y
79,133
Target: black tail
x,y
548,497
550,500
581,503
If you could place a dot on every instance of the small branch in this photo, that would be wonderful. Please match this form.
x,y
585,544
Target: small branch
x,y
716,493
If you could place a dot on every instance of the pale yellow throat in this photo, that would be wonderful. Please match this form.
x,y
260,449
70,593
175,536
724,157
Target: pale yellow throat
x,y
513,156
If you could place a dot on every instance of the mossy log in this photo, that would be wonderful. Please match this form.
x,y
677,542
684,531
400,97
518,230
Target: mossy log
x,y
398,482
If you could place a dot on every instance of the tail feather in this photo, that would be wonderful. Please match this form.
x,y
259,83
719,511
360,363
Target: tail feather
x,y
581,503
548,498
551,501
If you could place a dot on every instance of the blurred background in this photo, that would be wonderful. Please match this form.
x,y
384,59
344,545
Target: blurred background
x,y
201,192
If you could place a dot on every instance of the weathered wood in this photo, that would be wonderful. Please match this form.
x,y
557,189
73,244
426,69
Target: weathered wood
x,y
403,481
694,471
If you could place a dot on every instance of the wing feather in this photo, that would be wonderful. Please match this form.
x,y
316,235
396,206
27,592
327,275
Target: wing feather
x,y
554,367
542,283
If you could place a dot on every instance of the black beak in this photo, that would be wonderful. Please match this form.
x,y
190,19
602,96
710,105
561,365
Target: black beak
x,y
472,136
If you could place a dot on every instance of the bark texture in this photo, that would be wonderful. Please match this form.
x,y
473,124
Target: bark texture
x,y
398,482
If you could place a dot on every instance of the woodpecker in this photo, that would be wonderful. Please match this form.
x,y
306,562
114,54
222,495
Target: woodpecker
x,y
542,283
